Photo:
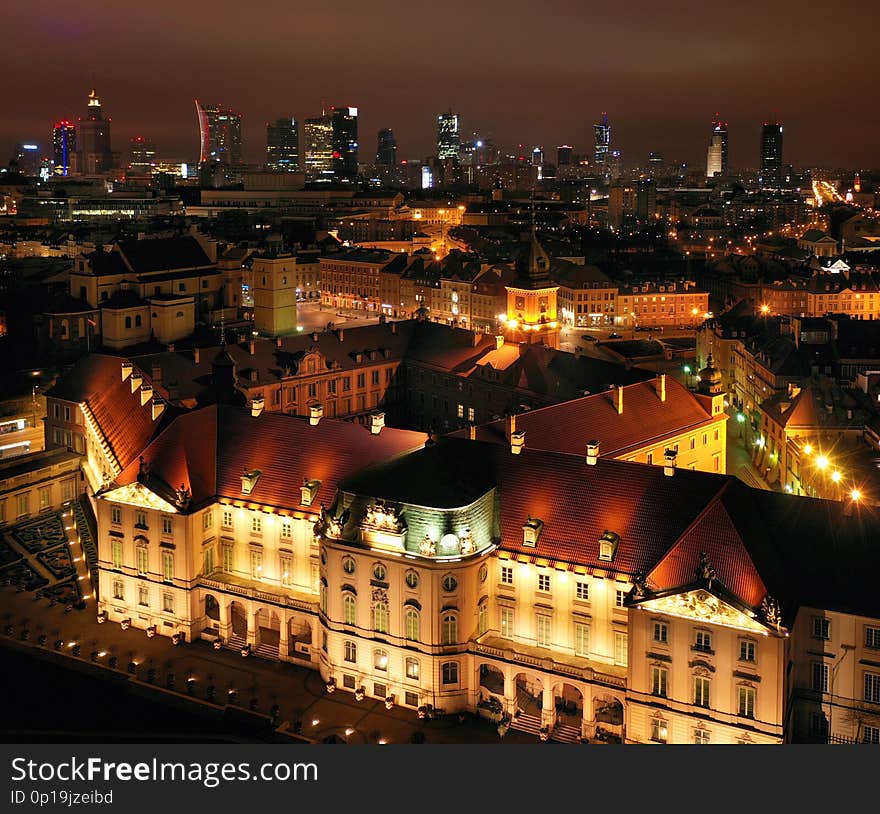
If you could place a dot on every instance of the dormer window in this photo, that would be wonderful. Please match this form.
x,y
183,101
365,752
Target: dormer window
x,y
309,491
608,543
249,481
532,532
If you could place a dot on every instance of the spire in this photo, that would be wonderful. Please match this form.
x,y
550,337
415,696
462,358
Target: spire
x,y
94,101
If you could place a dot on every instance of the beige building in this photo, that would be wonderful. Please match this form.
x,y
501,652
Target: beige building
x,y
673,305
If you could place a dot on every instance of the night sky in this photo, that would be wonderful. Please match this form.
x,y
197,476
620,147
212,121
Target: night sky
x,y
521,71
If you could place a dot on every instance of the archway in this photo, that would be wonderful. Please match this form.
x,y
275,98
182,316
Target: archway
x,y
238,619
529,695
569,703
299,637
491,680
212,611
268,626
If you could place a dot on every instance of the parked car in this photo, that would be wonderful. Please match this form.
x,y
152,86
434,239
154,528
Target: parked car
x,y
614,335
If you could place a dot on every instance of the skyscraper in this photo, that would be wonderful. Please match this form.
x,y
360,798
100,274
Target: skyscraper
x,y
282,145
94,139
386,148
219,135
563,155
63,145
602,154
719,128
448,136
716,158
344,124
318,148
142,155
771,155
27,157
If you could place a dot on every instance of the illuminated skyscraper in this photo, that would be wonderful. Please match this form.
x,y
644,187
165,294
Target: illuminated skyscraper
x,y
93,139
27,157
219,135
318,144
602,154
282,145
771,155
386,148
719,131
344,123
63,145
142,155
448,136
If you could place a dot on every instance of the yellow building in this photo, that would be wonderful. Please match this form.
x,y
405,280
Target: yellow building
x,y
672,305
532,314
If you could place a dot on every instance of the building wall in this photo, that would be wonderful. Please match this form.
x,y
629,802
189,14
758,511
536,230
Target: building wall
x,y
44,488
274,280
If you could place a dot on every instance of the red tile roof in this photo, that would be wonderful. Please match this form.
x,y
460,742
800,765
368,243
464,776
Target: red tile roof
x,y
567,427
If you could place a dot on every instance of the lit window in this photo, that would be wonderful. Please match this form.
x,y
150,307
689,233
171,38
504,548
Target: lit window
x,y
412,669
449,672
349,652
701,736
659,681
506,575
701,691
412,624
619,597
747,702
661,632
449,629
542,625
142,560
380,660
482,618
544,582
227,518
167,566
659,730
621,656
380,617
349,609
116,553
257,524
746,650
507,622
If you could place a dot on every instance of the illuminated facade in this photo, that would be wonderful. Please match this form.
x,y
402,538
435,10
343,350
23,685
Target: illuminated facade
x,y
64,146
142,155
219,135
679,305
318,149
344,124
282,145
93,139
716,162
771,155
532,314
448,137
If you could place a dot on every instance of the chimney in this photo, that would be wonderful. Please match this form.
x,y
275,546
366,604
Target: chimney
x,y
146,393
511,426
670,457
158,408
662,388
197,356
472,432
517,441
127,367
252,347
619,399
393,327
316,413
499,342
592,452
136,381
257,404
277,341
377,422
341,334
157,373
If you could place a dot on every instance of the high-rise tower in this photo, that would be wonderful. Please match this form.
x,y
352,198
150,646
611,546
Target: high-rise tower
x,y
93,139
602,154
448,136
282,145
63,146
386,148
716,161
219,135
771,155
142,155
318,148
344,124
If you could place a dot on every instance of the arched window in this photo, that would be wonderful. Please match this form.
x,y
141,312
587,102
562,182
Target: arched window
x,y
380,617
483,617
412,624
137,321
380,660
449,629
349,609
450,672
128,322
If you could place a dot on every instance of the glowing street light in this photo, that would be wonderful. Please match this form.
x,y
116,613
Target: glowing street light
x,y
765,309
822,462
740,418
855,495
836,476
808,449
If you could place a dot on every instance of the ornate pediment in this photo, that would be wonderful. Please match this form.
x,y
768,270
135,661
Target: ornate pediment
x,y
702,606
136,494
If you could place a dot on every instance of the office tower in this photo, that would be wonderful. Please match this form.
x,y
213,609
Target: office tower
x,y
771,155
141,155
27,157
448,136
219,135
318,149
719,129
386,148
563,155
282,145
64,146
601,156
537,156
93,139
343,122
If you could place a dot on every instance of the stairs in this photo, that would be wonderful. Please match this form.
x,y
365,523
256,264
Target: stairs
x,y
563,733
527,723
235,642
267,651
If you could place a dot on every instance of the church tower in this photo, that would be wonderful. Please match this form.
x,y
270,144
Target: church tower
x,y
531,300
274,287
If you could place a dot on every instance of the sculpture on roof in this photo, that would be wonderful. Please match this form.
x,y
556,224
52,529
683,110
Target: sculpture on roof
x,y
705,570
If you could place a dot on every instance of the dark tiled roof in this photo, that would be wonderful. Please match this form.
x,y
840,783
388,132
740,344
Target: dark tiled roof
x,y
163,254
106,263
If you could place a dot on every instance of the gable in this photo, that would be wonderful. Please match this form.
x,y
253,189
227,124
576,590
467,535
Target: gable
x,y
136,494
700,605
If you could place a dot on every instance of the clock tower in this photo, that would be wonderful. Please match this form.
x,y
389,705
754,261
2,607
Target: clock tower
x,y
531,300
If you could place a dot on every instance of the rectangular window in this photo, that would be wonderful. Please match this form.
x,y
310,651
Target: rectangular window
x,y
819,676
286,530
167,566
380,690
544,582
142,560
506,575
701,736
507,622
207,521
44,497
227,518
412,669
143,595
361,380
140,519
701,691
116,553
115,515
543,630
460,411
581,639
166,525
746,650
256,564
659,681
208,560
747,702
118,589
659,730
449,672
582,590
871,734
621,657
348,682
661,632
227,558
703,641
872,637
168,602
24,504
471,414
286,569
375,377
350,653
821,628
872,687
619,597
257,524
411,699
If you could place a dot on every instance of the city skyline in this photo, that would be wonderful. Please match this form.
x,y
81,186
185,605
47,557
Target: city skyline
x,y
549,94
